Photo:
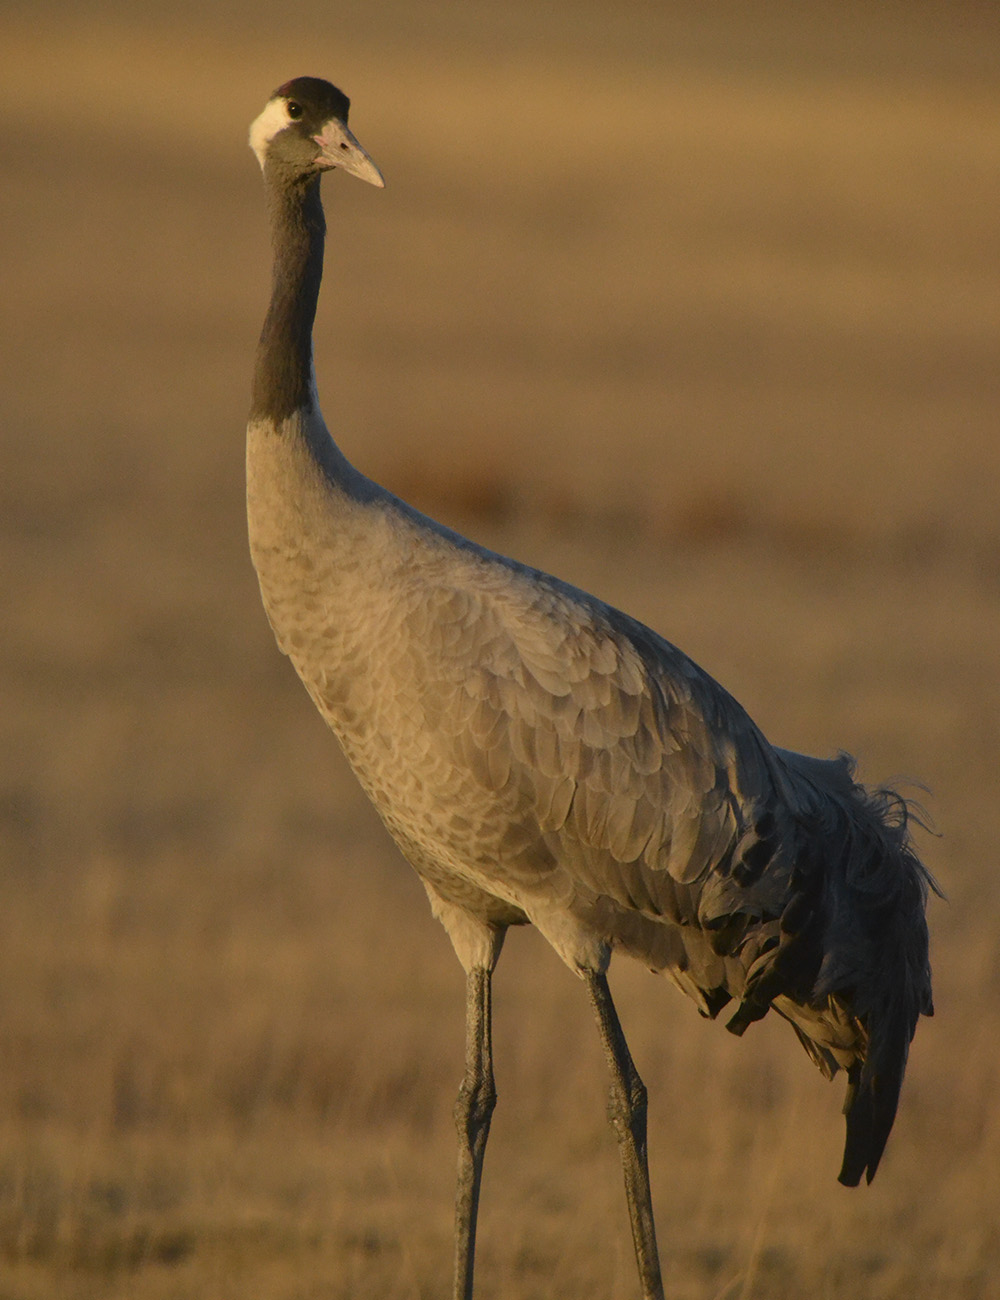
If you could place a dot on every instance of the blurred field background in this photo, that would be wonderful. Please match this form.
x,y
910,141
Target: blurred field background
x,y
697,305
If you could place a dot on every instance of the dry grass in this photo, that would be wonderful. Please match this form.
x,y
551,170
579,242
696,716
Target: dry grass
x,y
700,314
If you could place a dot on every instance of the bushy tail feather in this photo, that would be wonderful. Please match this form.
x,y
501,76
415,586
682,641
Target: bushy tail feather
x,y
890,982
849,964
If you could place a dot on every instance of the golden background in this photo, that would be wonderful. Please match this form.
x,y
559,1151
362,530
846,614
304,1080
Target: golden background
x,y
697,306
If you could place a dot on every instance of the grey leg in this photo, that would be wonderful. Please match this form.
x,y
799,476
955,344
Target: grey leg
x,y
476,1099
627,1112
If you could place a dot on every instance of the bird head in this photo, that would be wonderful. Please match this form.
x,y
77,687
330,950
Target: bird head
x,y
303,131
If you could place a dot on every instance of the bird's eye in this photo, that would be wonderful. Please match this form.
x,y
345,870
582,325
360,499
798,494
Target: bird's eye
x,y
294,109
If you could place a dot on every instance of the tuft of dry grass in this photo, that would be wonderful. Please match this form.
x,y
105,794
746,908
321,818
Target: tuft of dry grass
x,y
702,315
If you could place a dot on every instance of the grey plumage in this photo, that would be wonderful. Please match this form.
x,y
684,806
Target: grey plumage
x,y
541,757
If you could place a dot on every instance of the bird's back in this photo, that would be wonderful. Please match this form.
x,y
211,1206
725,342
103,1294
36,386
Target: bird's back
x,y
519,732
540,756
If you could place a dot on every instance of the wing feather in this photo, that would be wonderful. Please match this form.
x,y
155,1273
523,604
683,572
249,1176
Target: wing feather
x,y
613,755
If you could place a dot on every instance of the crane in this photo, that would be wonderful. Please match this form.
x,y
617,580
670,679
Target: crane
x,y
542,758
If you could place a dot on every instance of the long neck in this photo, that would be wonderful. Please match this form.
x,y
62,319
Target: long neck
x,y
283,377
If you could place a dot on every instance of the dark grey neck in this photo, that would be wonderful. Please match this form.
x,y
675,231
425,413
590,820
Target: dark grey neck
x,y
283,377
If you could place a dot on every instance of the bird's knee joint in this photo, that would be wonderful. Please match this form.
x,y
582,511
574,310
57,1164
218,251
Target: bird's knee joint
x,y
627,1106
474,1106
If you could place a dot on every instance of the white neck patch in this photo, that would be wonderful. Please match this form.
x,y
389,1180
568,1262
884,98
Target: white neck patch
x,y
263,130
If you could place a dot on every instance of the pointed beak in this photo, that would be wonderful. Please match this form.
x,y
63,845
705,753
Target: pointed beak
x,y
338,148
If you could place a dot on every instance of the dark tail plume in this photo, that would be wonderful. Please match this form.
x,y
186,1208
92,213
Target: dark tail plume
x,y
877,961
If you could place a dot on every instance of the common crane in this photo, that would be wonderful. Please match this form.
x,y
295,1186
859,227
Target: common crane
x,y
540,757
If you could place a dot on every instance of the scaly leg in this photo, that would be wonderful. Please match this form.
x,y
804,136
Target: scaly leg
x,y
627,1113
473,1110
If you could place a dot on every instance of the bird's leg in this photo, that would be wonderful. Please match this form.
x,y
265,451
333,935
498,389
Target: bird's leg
x,y
627,1113
476,1099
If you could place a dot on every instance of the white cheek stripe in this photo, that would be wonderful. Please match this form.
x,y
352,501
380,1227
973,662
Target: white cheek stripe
x,y
273,119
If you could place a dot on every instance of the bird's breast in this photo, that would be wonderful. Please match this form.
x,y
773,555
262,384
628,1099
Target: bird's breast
x,y
356,596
